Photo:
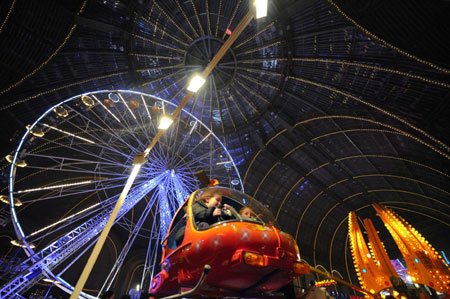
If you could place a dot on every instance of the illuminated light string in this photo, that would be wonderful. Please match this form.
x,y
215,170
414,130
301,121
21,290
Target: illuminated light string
x,y
67,133
164,32
187,19
232,17
53,187
66,39
197,17
372,106
329,134
61,87
160,68
156,56
157,43
260,48
245,98
64,219
160,79
169,18
385,43
7,15
388,70
254,35
208,18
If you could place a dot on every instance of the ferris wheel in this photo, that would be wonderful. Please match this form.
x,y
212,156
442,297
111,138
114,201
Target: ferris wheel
x,y
71,166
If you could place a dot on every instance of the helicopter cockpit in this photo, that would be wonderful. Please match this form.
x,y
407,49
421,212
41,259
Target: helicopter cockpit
x,y
238,207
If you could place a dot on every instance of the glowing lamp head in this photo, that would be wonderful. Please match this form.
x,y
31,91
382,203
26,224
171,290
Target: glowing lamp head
x,y
196,82
165,122
261,8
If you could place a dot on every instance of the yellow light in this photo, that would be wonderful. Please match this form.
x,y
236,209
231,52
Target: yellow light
x,y
35,131
253,259
165,122
301,268
20,244
9,158
196,82
395,293
50,280
261,8
68,133
61,111
88,101
54,186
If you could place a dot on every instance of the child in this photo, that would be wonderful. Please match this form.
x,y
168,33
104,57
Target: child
x,y
207,208
247,212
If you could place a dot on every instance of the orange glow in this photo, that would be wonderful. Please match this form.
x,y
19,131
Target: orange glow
x,y
253,259
370,274
422,260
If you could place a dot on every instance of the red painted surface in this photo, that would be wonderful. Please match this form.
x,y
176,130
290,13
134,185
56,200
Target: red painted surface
x,y
222,247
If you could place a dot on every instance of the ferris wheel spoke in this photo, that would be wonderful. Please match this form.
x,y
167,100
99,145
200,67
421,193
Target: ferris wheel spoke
x,y
63,223
104,125
93,137
197,160
132,236
79,150
120,123
76,165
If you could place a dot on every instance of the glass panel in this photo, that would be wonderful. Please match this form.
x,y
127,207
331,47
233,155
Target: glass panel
x,y
234,206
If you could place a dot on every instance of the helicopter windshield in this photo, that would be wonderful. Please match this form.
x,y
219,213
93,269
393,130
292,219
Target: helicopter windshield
x,y
234,206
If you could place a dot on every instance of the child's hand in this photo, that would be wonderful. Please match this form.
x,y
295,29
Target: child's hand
x,y
217,212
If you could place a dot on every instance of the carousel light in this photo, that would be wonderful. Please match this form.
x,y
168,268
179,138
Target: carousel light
x,y
196,82
165,122
5,199
35,131
88,101
61,111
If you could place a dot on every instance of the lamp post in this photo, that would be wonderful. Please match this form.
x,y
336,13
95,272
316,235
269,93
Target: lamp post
x,y
140,159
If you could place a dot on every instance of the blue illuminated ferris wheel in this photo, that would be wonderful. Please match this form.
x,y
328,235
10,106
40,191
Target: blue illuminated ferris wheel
x,y
71,166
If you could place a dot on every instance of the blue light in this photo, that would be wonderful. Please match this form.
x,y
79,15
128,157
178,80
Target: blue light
x,y
416,260
113,97
364,270
234,182
445,257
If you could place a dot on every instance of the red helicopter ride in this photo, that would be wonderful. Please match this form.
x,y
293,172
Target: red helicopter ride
x,y
224,243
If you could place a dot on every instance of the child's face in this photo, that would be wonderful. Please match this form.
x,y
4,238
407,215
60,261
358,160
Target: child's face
x,y
247,212
214,201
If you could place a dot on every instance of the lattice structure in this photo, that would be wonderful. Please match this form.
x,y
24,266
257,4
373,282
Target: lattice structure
x,y
58,251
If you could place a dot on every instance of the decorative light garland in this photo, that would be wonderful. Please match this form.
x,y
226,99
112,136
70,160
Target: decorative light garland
x,y
385,43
